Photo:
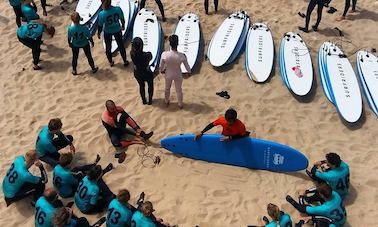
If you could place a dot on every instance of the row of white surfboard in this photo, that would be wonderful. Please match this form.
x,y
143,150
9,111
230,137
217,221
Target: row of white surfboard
x,y
337,76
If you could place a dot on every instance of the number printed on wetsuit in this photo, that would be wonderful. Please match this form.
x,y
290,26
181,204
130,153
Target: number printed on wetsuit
x,y
78,35
57,181
341,185
12,174
116,218
112,19
40,216
82,190
339,215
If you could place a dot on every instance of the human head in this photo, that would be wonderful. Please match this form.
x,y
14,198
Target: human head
x,y
123,196
173,41
55,125
61,217
273,211
75,17
333,160
27,1
110,106
30,157
95,172
137,45
147,208
325,191
65,159
231,116
51,195
106,4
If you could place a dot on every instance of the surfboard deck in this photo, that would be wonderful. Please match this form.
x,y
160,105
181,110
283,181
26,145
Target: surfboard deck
x,y
246,152
323,71
189,33
87,9
259,54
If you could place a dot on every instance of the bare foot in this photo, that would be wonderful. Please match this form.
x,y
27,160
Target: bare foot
x,y
340,18
167,104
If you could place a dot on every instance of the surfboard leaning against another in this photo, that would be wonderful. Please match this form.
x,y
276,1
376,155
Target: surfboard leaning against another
x,y
88,11
295,64
189,33
246,152
229,39
147,27
259,53
367,66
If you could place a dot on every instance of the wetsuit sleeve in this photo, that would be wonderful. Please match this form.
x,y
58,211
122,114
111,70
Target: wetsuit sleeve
x,y
63,137
321,175
94,197
313,210
187,67
32,179
208,127
300,207
50,147
100,24
121,16
43,178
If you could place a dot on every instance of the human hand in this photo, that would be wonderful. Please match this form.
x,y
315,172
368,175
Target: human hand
x,y
225,139
72,148
197,136
318,163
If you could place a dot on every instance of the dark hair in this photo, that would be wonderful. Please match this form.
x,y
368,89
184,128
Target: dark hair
x,y
95,172
123,196
109,102
173,41
147,208
106,4
136,46
50,194
61,216
75,17
231,114
333,159
55,124
65,159
325,190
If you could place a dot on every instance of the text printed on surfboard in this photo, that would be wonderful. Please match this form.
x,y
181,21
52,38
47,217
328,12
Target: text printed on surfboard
x,y
186,43
260,49
297,60
343,80
230,29
89,4
277,158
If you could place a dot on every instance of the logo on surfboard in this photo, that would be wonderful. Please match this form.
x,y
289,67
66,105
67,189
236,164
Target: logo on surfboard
x,y
278,159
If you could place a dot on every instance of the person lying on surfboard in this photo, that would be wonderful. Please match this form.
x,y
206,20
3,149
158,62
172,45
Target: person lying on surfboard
x,y
233,128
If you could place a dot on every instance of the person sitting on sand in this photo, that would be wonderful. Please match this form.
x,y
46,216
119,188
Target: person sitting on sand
x,y
19,183
334,171
315,221
29,10
144,217
115,119
30,35
333,206
48,147
66,179
92,194
64,217
45,208
233,128
279,218
120,211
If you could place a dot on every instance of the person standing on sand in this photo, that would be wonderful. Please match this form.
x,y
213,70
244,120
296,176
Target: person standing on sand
x,y
310,8
29,10
16,4
206,3
170,65
346,8
161,8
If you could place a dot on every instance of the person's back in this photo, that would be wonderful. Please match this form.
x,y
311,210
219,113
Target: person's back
x,y
118,215
337,178
32,30
333,209
29,12
44,143
139,220
86,194
173,60
64,182
17,175
141,64
44,213
78,35
109,19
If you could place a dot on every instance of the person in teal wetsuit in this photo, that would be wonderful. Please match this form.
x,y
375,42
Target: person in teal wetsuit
x,y
119,210
279,218
29,10
66,179
108,21
334,172
316,221
144,217
64,217
16,4
19,183
332,208
92,194
30,35
80,37
45,208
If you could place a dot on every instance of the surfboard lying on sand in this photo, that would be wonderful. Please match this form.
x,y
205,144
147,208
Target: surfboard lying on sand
x,y
246,152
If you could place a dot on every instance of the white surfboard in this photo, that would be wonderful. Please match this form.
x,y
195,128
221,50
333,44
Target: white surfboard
x,y
367,65
125,7
147,27
323,70
87,9
295,54
226,39
343,84
259,54
188,31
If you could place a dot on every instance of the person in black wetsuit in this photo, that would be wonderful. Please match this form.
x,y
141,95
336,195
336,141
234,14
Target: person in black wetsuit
x,y
346,8
142,71
158,2
310,8
206,3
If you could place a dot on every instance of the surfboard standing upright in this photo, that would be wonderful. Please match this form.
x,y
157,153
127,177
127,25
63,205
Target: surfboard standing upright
x,y
246,152
88,11
228,40
295,64
189,33
147,27
259,53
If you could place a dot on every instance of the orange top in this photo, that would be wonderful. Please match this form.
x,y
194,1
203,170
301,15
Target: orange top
x,y
112,119
237,128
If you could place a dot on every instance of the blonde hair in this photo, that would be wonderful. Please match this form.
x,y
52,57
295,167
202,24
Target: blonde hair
x,y
274,212
147,208
75,17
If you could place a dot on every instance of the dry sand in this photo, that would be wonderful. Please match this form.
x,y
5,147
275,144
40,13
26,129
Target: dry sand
x,y
184,191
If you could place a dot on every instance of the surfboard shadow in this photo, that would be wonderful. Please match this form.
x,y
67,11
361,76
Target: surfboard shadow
x,y
364,14
356,125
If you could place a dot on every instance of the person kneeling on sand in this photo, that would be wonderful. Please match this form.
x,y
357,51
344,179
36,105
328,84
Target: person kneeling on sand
x,y
279,218
233,128
333,171
144,217
115,119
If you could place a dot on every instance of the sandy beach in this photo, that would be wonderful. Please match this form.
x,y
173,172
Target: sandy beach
x,y
184,191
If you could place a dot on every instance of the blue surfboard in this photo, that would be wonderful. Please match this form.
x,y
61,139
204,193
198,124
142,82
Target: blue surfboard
x,y
246,152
